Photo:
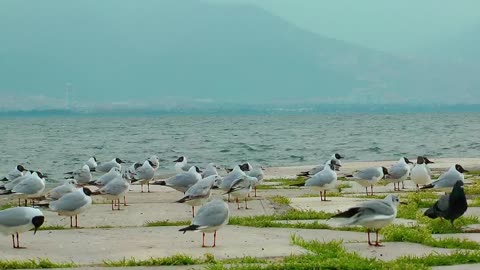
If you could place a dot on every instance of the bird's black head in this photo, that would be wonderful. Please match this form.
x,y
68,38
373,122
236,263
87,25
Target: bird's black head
x,y
119,161
458,184
427,161
137,165
420,160
37,222
180,159
459,168
20,168
338,156
244,167
94,158
87,191
385,171
198,169
332,166
40,174
407,160
151,163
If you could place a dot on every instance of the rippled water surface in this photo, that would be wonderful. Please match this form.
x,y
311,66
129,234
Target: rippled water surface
x,y
55,145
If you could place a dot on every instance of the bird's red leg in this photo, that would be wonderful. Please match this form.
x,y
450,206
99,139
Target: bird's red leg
x,y
255,191
203,240
141,186
148,186
112,206
71,221
238,204
18,241
371,187
377,243
13,240
193,211
124,200
366,190
19,203
214,239
76,221
368,237
246,205
118,206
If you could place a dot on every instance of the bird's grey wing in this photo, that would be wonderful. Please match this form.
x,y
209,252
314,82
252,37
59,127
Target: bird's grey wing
x,y
198,190
10,185
397,172
211,215
316,170
69,202
181,180
445,180
13,218
443,203
378,207
114,188
27,187
367,174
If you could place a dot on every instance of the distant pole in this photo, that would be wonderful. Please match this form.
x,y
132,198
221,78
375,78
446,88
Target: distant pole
x,y
67,95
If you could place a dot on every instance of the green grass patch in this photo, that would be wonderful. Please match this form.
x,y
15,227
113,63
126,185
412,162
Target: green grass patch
x,y
7,206
280,200
167,223
52,228
423,235
342,186
287,181
33,264
244,260
179,259
473,189
437,226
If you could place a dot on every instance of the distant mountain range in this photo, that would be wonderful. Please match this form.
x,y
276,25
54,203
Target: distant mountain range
x,y
155,51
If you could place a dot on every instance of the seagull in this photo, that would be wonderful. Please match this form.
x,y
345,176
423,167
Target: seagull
x,y
181,164
399,172
450,207
144,173
72,204
92,163
448,179
235,174
107,166
319,168
106,178
258,173
114,190
14,221
182,181
82,175
322,181
210,218
67,187
8,186
30,188
15,173
241,187
421,174
370,176
373,214
210,170
200,192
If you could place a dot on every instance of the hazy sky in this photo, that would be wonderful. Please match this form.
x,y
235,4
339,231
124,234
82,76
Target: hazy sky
x,y
138,53
399,26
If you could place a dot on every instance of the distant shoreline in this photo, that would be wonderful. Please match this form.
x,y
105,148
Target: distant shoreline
x,y
266,109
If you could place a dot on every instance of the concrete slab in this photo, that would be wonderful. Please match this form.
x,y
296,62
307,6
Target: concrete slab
x,y
468,236
93,246
335,205
393,250
336,224
138,214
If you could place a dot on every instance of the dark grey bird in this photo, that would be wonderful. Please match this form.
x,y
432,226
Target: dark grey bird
x,y
451,206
